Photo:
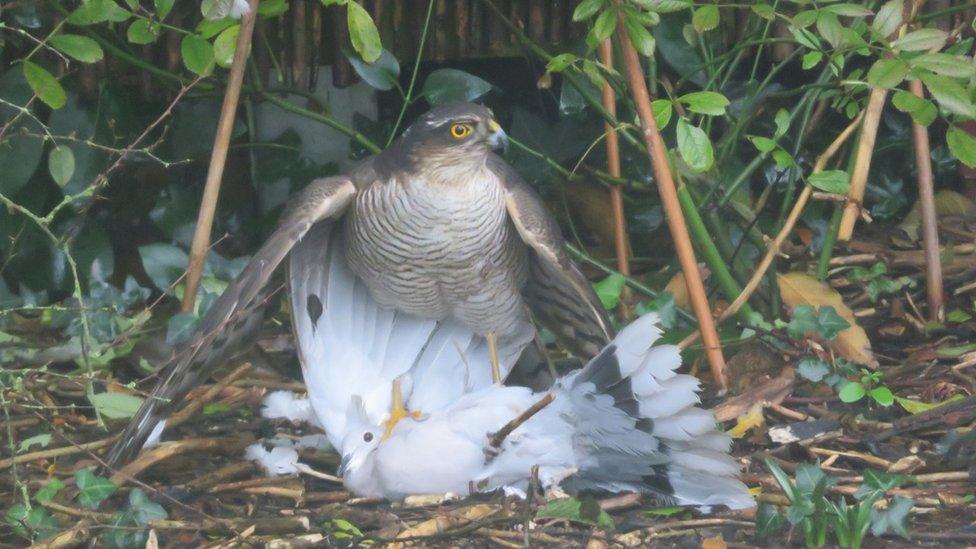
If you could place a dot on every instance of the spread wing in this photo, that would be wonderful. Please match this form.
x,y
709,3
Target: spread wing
x,y
231,319
558,294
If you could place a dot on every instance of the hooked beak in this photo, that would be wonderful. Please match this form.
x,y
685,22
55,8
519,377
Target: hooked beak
x,y
343,465
497,139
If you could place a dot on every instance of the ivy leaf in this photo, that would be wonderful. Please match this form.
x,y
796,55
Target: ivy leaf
x,y
78,47
950,94
45,85
93,489
705,102
451,85
922,111
573,510
694,146
851,392
802,322
362,33
888,73
877,483
143,509
51,489
812,369
41,524
381,74
831,181
830,323
179,327
61,164
198,55
962,145
705,18
893,519
142,31
921,39
609,290
225,45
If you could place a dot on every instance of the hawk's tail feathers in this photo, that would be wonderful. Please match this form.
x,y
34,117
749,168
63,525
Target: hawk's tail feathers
x,y
661,442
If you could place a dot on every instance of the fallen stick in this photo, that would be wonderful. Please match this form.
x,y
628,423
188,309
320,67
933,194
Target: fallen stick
x,y
166,450
773,391
196,404
57,452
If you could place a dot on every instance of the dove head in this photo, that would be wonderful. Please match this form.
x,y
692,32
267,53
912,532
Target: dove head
x,y
359,451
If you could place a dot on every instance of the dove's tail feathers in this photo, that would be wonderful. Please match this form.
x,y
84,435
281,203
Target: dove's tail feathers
x,y
657,439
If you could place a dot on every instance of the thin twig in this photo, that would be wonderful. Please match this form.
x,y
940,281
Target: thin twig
x,y
657,153
218,158
496,440
196,404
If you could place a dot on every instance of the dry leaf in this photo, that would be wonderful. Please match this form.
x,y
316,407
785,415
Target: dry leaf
x,y
748,421
801,288
714,543
679,289
443,523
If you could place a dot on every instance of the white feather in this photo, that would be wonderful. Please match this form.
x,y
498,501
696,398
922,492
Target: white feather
x,y
280,460
285,405
239,9
155,435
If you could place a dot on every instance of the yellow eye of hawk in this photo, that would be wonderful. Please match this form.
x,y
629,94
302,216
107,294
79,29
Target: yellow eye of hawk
x,y
460,131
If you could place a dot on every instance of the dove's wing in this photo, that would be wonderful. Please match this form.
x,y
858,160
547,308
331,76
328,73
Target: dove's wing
x,y
228,324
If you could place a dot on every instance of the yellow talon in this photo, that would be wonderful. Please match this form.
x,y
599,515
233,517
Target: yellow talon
x,y
496,371
397,412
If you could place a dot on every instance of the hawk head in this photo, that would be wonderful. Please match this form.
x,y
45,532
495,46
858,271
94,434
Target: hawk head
x,y
462,129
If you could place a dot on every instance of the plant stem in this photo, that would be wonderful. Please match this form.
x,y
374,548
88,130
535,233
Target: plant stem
x,y
657,154
930,229
413,77
218,159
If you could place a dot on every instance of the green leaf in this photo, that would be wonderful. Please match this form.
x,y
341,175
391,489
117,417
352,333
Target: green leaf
x,y
163,7
79,47
143,509
848,10
893,519
962,145
954,66
198,55
949,94
272,8
93,489
116,405
922,111
851,392
876,484
45,85
888,19
769,520
586,9
640,36
572,510
705,18
560,62
662,109
41,440
882,395
97,11
225,45
805,38
782,121
783,159
705,102
812,369
605,24
811,59
921,39
180,327
694,146
609,290
888,73
830,29
142,31
381,74
830,323
164,263
665,6
207,28
831,181
37,520
954,351
362,33
51,489
216,9
803,321
61,165
452,85
762,144
917,406
764,10
806,18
